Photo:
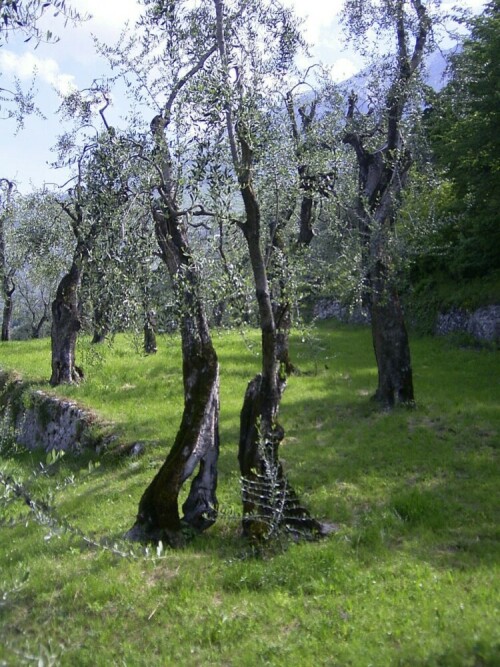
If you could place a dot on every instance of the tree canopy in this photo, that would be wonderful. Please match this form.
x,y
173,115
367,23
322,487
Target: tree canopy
x,y
464,124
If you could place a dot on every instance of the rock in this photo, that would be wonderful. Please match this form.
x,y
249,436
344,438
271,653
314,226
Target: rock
x,y
39,420
483,324
325,309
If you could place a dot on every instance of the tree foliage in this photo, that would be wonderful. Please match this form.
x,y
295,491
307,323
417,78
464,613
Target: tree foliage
x,y
464,125
23,16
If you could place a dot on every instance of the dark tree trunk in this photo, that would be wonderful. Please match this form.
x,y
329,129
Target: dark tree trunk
x,y
382,175
65,327
9,289
306,233
269,502
150,346
196,443
102,326
197,440
103,301
36,327
380,184
391,345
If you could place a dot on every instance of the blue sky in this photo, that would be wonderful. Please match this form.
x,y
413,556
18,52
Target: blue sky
x,y
73,63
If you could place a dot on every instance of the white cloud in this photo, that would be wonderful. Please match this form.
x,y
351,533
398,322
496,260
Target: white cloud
x,y
46,69
109,16
343,69
319,15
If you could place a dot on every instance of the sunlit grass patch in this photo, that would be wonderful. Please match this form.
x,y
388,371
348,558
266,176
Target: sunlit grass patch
x,y
410,577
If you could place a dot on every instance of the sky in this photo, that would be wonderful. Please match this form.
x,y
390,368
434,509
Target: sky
x,y
72,63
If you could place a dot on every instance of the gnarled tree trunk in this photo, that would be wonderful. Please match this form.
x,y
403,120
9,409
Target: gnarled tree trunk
x,y
382,174
150,322
65,327
269,502
381,180
8,306
390,343
197,440
196,444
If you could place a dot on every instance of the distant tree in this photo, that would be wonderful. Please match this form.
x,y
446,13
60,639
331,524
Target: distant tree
x,y
42,247
93,206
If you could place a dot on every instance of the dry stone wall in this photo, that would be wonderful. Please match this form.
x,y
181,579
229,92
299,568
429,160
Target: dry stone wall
x,y
37,420
482,324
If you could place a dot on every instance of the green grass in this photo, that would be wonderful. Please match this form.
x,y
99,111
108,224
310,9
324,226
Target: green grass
x,y
410,578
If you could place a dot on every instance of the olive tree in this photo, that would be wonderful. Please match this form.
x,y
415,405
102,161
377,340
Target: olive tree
x,y
379,124
7,270
42,244
256,43
162,69
93,207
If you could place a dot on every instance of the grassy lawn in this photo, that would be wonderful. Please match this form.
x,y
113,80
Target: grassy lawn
x,y
410,578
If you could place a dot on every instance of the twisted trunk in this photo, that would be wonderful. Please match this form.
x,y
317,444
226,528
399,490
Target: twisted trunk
x,y
196,444
269,502
389,334
197,440
150,346
268,498
382,175
8,307
390,343
65,327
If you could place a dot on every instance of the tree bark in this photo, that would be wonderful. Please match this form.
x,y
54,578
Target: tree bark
x,y
36,327
197,440
8,306
150,346
102,326
382,176
269,502
268,498
196,443
65,327
6,275
390,343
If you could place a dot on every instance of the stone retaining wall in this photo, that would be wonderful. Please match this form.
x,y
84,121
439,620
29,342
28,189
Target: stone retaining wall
x,y
325,309
38,420
482,324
